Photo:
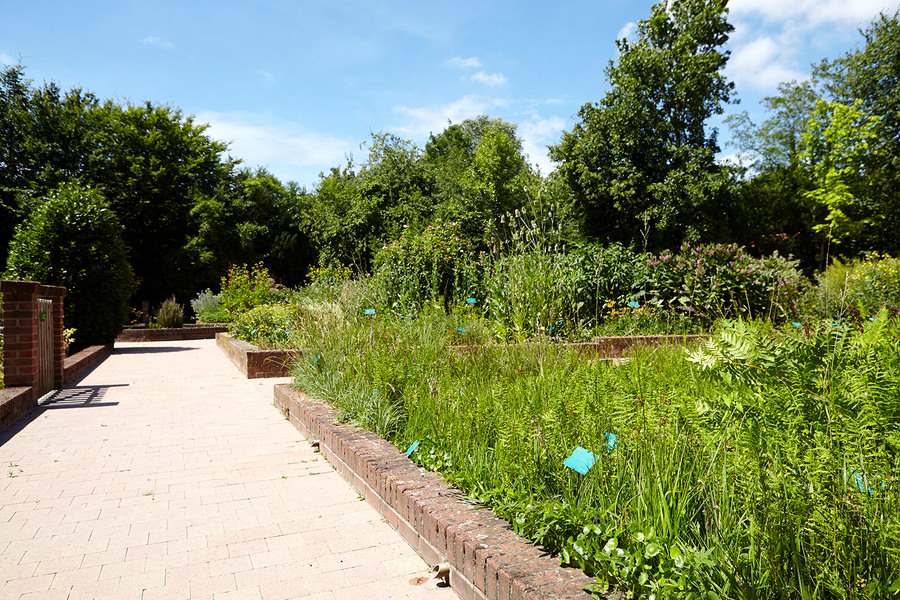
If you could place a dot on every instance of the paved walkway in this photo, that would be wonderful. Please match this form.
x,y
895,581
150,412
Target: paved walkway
x,y
163,474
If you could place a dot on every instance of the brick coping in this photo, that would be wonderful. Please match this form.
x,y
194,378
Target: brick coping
x,y
488,560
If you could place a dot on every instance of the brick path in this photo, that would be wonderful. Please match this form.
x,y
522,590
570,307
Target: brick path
x,y
163,474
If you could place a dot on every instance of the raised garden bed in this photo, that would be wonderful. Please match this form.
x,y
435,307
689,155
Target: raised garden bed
x,y
193,331
487,559
253,362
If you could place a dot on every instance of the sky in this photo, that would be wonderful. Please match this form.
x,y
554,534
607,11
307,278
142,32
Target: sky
x,y
297,86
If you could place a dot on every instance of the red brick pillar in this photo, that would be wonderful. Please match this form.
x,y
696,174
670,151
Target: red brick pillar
x,y
57,294
20,333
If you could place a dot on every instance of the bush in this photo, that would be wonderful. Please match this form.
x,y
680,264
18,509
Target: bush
x,y
208,308
723,281
73,239
267,326
170,314
869,284
245,287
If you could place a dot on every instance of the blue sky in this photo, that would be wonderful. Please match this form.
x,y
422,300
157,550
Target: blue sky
x,y
297,86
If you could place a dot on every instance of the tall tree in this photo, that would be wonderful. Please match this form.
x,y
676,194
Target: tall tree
x,y
641,162
871,75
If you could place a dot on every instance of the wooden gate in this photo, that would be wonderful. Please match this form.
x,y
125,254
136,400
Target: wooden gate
x,y
45,346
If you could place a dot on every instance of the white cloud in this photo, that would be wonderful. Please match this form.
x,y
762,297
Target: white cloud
x,y
6,59
813,12
267,76
489,78
285,148
762,64
158,42
626,30
464,63
423,121
536,135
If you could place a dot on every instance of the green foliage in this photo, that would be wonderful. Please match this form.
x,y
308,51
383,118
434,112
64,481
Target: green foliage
x,y
641,161
870,284
723,281
170,314
246,287
267,325
766,467
840,141
209,308
74,239
417,269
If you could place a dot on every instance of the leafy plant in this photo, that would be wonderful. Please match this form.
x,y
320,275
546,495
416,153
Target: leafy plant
x,y
209,308
73,239
246,287
170,314
267,325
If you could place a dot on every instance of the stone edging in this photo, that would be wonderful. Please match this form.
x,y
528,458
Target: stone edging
x,y
195,332
253,362
488,560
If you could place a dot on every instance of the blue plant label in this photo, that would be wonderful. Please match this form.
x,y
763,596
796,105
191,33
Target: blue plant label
x,y
461,329
634,304
254,332
581,460
318,357
610,440
412,448
370,311
795,324
872,319
471,300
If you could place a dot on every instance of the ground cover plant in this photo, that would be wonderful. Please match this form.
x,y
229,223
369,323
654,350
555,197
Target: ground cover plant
x,y
762,464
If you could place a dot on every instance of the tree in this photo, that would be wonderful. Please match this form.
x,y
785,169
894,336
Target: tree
x,y
73,239
872,76
840,141
643,158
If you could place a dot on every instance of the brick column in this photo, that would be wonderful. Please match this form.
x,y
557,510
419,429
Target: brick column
x,y
20,333
57,294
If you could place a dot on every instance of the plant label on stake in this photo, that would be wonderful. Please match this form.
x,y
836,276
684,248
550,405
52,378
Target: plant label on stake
x,y
610,440
370,311
471,301
412,448
581,460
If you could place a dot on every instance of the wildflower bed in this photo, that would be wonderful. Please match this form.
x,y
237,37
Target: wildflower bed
x,y
762,464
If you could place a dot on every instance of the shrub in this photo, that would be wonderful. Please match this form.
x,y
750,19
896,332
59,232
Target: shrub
x,y
419,268
722,280
170,314
267,325
869,284
245,287
208,308
73,239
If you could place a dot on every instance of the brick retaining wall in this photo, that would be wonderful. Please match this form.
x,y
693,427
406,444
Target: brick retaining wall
x,y
488,560
253,362
196,332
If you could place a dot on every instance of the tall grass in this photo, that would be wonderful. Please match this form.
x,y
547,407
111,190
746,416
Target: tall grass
x,y
762,465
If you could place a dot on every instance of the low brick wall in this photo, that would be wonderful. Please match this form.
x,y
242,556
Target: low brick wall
x,y
253,362
14,403
195,332
78,363
488,560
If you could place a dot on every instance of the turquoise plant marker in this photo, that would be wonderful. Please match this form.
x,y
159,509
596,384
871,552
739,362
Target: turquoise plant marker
x,y
610,440
370,311
634,304
581,460
461,329
412,448
795,324
471,300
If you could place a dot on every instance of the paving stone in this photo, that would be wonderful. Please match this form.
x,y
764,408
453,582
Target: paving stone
x,y
168,475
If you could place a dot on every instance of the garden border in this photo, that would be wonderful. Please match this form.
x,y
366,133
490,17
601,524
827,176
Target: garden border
x,y
488,560
194,331
253,362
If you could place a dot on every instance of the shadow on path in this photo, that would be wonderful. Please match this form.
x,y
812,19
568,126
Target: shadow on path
x,y
150,349
80,396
